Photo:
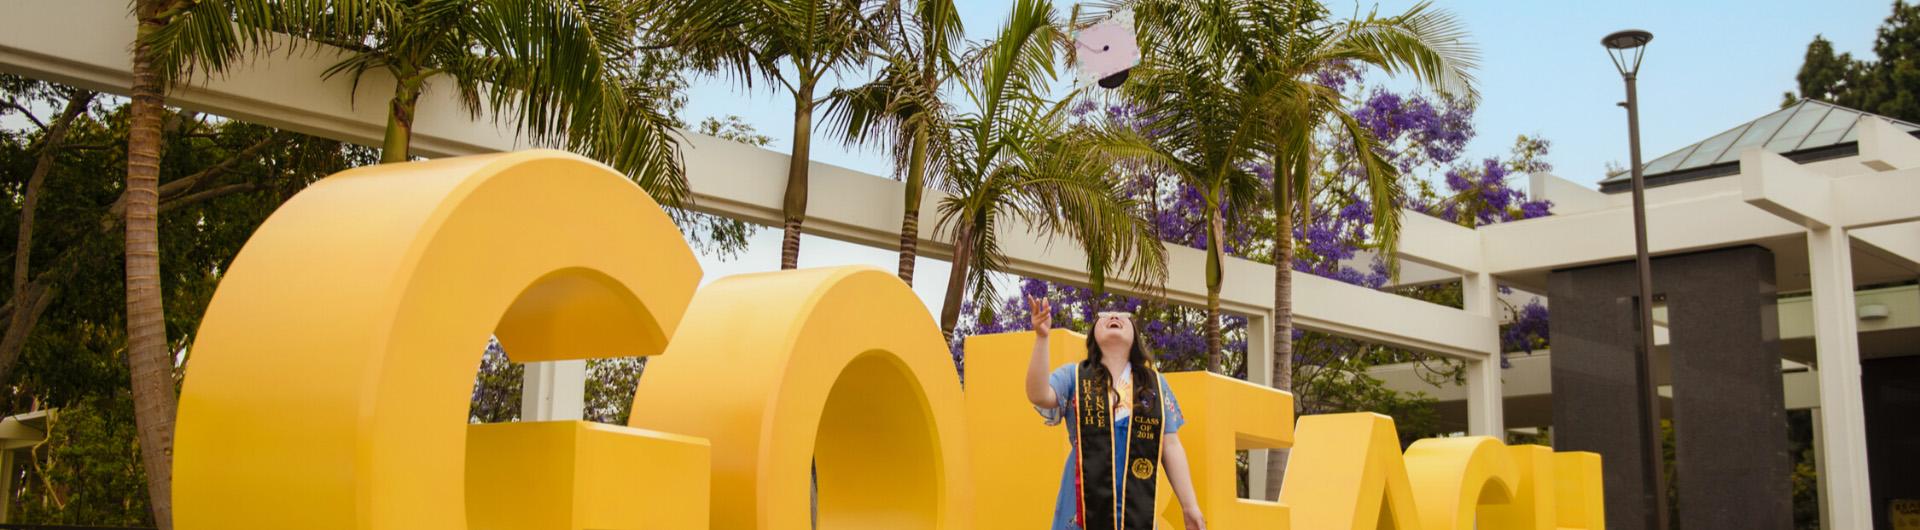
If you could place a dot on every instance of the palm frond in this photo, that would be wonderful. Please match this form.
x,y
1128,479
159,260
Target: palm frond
x,y
1384,192
1428,43
209,36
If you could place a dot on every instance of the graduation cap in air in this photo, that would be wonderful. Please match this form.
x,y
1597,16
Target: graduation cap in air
x,y
1107,50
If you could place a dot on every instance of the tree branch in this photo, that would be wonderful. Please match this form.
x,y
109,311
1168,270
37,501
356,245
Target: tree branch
x,y
207,195
28,113
37,297
43,164
187,183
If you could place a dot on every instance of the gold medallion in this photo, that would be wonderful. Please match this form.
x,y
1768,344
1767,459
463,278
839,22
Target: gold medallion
x,y
1142,468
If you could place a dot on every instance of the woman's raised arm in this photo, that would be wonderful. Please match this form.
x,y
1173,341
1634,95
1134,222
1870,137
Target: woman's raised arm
x,y
1038,391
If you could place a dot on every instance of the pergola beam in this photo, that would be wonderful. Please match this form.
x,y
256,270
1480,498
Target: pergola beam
x,y
85,44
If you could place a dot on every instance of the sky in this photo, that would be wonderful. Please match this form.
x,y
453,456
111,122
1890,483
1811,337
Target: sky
x,y
1712,65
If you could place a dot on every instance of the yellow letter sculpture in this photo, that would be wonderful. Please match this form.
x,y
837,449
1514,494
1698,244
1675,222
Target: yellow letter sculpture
x,y
1577,491
330,382
1225,415
840,366
1344,471
1533,505
1017,458
1452,477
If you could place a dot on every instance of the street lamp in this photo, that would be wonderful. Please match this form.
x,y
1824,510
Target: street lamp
x,y
1627,47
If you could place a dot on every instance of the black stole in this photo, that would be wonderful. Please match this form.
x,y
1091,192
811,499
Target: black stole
x,y
1098,501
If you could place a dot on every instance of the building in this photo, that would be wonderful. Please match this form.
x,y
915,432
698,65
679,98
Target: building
x,y
1756,220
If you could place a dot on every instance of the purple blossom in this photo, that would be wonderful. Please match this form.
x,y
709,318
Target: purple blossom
x,y
1418,134
1528,330
1175,334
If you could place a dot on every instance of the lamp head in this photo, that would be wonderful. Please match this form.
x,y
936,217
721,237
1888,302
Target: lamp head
x,y
1626,47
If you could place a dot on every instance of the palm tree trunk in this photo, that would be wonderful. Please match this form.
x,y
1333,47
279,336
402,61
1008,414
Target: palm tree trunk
x,y
910,221
1216,256
795,206
397,145
1282,311
147,356
956,280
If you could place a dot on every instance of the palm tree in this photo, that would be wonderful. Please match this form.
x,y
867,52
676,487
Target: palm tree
x,y
565,72
812,38
174,38
1018,155
902,107
1426,43
1206,131
1275,47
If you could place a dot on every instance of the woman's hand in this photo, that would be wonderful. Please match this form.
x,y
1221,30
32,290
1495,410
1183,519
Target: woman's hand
x,y
1173,458
1194,520
1042,312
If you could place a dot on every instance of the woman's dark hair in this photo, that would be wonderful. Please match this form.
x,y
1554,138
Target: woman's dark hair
x,y
1143,379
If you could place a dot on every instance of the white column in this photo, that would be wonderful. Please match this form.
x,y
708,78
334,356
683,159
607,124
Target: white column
x,y
1485,414
555,390
1259,370
1842,420
1820,469
1485,399
1260,348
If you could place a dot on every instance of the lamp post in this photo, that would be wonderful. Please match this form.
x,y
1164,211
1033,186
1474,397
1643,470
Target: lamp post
x,y
1626,47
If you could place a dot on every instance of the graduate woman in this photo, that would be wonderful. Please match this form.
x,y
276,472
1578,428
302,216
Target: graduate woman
x,y
1121,419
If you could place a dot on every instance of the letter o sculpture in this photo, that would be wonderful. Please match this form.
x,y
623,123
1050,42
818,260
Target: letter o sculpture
x,y
843,367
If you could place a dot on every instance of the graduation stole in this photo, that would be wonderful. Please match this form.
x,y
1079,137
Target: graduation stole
x,y
1135,489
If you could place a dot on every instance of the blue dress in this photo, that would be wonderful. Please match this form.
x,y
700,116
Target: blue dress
x,y
1064,380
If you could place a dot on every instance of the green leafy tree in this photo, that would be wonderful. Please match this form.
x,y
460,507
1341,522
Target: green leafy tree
x,y
218,180
1883,85
1018,155
902,107
795,44
87,471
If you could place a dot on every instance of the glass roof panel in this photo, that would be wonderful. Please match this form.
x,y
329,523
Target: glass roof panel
x,y
1762,130
1666,163
1831,129
1712,147
1808,124
1796,129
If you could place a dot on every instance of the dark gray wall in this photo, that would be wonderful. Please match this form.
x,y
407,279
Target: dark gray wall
x,y
1892,394
1594,401
1731,461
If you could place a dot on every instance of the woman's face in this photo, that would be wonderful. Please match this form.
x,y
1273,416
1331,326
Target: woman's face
x,y
1113,330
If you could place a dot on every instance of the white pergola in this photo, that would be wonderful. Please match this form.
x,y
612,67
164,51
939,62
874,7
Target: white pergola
x,y
1837,210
